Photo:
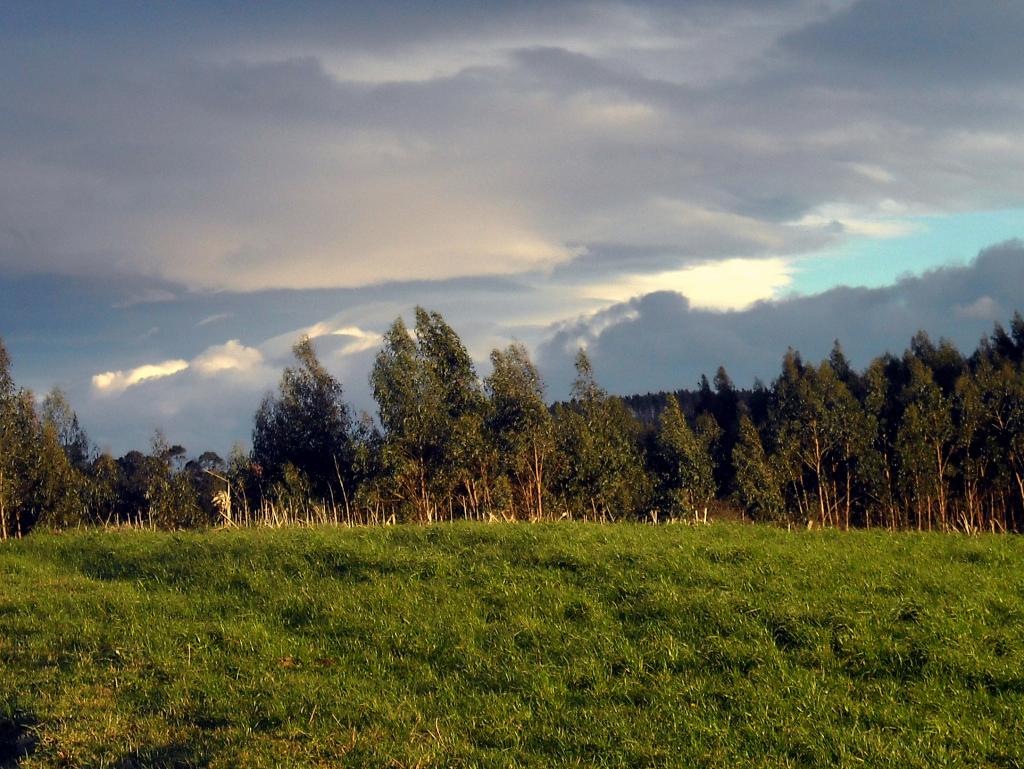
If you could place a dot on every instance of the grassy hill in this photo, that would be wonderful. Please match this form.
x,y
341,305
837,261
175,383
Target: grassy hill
x,y
512,645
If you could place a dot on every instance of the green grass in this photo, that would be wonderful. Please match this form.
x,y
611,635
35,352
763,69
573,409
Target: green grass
x,y
512,645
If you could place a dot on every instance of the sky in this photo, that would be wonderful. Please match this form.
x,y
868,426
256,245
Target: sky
x,y
185,188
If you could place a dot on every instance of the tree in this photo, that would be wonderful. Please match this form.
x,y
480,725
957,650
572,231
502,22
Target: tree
x,y
820,427
1009,346
945,361
601,473
758,486
464,463
61,489
105,482
883,413
171,502
57,411
20,459
430,405
1000,393
306,425
687,481
973,452
1017,333
725,410
408,421
925,446
9,445
520,426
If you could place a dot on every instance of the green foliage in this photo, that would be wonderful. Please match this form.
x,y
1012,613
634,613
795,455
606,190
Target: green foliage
x,y
58,414
520,429
102,490
924,446
687,480
555,645
38,483
431,408
20,462
758,487
307,426
928,440
601,473
821,428
62,490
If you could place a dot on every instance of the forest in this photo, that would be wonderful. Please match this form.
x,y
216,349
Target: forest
x,y
932,439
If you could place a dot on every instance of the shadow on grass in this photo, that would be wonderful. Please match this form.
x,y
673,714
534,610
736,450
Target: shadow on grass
x,y
17,736
172,756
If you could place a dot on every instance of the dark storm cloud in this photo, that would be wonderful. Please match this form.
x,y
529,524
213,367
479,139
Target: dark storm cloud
x,y
922,39
315,145
658,342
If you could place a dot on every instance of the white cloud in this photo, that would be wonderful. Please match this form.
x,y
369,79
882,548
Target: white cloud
x,y
983,308
379,229
230,356
873,172
731,284
361,340
214,318
149,296
607,111
875,222
113,382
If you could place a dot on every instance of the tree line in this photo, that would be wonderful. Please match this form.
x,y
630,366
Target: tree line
x,y
931,439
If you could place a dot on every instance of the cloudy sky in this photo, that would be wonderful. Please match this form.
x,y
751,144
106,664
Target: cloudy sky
x,y
185,188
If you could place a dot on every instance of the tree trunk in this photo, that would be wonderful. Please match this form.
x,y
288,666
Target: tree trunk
x,y
3,509
538,475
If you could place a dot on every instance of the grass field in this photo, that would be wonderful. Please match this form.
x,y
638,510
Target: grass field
x,y
512,645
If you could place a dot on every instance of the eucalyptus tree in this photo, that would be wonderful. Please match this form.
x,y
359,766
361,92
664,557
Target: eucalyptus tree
x,y
38,483
759,485
103,490
57,411
725,410
687,477
431,409
1009,345
820,427
855,461
975,450
9,445
1000,390
925,446
61,488
408,423
882,381
601,473
520,427
154,491
20,458
1014,437
944,360
464,465
307,426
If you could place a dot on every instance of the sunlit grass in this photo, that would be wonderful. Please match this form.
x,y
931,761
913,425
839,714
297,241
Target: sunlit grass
x,y
513,645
